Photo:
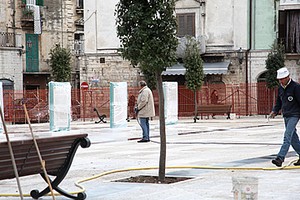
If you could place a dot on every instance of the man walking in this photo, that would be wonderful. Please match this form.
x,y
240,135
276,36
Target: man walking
x,y
145,110
288,101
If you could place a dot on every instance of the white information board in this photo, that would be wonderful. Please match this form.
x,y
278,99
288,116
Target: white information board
x,y
60,106
118,104
171,102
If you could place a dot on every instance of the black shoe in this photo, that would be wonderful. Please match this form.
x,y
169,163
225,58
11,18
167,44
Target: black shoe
x,y
297,163
277,161
143,140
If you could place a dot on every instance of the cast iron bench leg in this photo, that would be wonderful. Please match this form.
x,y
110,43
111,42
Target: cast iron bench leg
x,y
84,143
101,117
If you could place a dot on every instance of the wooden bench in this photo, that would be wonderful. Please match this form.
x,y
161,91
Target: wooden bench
x,y
214,109
57,151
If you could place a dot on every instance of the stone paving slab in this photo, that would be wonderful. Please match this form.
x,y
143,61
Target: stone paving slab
x,y
245,142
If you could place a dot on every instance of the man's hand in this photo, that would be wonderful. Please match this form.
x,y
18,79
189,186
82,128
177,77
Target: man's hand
x,y
136,110
272,115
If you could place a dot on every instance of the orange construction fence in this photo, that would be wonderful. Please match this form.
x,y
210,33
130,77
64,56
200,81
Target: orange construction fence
x,y
246,99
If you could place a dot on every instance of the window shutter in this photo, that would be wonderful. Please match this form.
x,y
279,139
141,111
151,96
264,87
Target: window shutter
x,y
40,2
181,26
190,24
186,24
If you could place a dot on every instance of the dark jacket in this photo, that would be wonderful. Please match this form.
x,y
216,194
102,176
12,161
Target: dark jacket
x,y
288,100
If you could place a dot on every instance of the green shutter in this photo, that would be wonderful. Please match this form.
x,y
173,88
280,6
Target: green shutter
x,y
40,2
32,53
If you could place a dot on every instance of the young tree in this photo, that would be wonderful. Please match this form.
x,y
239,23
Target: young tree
x,y
150,78
60,62
193,63
147,31
274,62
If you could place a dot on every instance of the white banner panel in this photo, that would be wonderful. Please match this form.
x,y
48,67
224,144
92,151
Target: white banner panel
x,y
118,104
60,106
171,102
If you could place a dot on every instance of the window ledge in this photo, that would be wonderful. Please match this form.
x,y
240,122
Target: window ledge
x,y
293,56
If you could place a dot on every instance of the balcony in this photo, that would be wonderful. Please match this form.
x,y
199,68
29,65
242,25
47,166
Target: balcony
x,y
27,18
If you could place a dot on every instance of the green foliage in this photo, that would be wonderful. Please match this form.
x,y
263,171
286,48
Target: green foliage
x,y
150,78
60,62
147,31
274,62
194,65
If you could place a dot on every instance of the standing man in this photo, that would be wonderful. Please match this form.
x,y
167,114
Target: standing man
x,y
288,101
145,110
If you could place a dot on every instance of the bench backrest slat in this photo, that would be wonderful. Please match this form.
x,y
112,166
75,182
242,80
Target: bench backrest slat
x,y
54,151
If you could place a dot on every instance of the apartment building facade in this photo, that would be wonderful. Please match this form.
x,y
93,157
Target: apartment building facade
x,y
28,30
236,37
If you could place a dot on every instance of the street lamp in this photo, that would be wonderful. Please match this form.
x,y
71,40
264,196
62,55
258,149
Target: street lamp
x,y
240,55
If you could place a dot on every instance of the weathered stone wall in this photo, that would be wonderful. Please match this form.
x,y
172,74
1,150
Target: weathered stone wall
x,y
2,15
115,69
11,67
257,64
294,68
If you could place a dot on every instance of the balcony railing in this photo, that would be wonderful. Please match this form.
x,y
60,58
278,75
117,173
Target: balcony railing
x,y
10,40
27,13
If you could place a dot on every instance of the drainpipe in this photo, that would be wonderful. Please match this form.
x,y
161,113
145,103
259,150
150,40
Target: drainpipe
x,y
14,21
247,55
62,23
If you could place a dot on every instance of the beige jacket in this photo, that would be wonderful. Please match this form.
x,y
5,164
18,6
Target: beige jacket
x,y
145,103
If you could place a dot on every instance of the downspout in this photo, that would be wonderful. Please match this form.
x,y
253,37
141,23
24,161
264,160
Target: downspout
x,y
247,56
62,23
14,21
96,28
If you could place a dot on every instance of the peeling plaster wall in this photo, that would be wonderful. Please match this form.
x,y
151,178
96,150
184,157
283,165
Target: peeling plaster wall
x,y
58,27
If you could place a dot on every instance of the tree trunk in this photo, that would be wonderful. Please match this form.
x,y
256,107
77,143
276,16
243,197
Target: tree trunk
x,y
162,129
195,102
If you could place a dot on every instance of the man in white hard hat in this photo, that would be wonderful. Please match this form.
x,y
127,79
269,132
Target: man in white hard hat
x,y
288,101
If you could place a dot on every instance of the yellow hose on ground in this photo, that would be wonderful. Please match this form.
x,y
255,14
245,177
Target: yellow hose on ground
x,y
82,189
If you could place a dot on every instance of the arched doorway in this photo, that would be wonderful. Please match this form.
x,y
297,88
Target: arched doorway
x,y
265,96
8,98
7,84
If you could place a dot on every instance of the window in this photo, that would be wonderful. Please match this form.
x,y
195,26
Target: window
x,y
289,30
80,4
186,24
37,2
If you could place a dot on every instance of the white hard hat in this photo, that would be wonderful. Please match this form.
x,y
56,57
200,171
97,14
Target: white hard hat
x,y
282,73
